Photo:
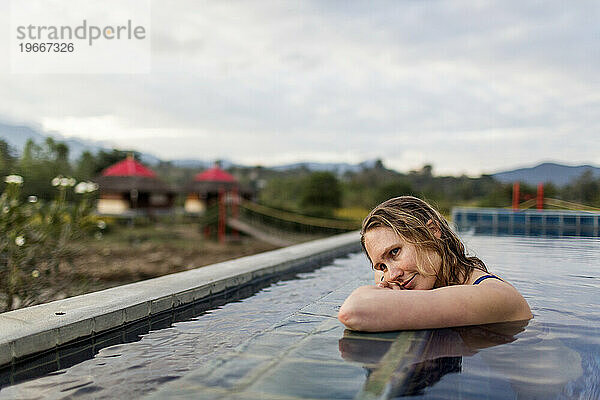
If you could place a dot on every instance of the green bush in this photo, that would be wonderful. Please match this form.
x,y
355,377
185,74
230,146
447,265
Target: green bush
x,y
321,194
393,189
37,237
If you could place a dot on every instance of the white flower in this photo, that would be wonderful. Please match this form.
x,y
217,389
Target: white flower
x,y
101,224
81,187
32,199
6,210
86,187
63,181
35,273
20,241
16,179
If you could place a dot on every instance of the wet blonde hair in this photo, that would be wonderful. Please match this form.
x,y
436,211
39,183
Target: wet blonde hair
x,y
417,222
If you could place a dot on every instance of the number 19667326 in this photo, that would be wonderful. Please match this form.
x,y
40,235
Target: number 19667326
x,y
46,47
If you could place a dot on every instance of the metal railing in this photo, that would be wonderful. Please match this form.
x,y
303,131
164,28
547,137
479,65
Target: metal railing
x,y
501,221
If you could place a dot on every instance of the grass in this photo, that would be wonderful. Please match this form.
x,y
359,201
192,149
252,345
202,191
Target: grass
x,y
126,254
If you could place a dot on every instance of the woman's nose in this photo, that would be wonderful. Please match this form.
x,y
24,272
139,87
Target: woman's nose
x,y
394,272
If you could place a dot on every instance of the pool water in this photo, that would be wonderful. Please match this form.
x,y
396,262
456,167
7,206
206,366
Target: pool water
x,y
285,342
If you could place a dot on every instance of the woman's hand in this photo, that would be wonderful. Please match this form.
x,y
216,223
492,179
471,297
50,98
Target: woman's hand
x,y
394,285
388,285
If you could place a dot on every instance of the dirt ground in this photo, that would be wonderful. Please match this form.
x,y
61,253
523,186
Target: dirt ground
x,y
130,254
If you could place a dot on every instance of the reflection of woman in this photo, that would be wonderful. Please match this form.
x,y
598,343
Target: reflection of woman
x,y
412,249
528,363
398,370
427,360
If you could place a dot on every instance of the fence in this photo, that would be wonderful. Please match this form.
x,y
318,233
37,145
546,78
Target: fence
x,y
500,221
292,222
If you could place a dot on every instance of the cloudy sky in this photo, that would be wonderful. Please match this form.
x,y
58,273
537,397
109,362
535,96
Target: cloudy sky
x,y
467,86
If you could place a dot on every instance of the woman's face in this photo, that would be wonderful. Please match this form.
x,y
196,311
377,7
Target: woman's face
x,y
394,259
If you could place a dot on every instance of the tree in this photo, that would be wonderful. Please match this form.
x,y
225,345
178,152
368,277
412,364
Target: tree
x,y
105,159
282,192
427,170
7,159
585,189
86,166
499,195
379,165
321,194
393,189
40,163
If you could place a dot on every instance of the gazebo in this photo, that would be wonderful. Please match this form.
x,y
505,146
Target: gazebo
x,y
128,187
206,187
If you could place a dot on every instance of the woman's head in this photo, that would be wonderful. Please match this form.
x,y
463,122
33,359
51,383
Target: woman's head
x,y
419,224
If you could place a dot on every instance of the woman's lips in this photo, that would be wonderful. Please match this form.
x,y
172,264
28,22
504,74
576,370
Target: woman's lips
x,y
405,283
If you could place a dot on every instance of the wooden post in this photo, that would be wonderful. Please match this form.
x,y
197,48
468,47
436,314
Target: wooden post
x,y
540,196
515,196
222,216
235,212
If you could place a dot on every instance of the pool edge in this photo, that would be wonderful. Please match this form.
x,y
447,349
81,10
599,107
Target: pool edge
x,y
43,327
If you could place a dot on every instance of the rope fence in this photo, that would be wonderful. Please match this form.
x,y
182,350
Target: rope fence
x,y
275,221
558,203
289,217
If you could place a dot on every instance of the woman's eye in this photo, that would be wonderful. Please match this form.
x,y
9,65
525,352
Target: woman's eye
x,y
395,251
380,267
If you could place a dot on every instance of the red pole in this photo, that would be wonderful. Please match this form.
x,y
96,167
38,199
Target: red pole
x,y
222,216
515,199
540,196
234,207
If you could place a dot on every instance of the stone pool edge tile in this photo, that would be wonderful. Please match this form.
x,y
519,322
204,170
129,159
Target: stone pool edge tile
x,y
38,328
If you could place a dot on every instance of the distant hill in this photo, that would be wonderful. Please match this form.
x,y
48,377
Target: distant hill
x,y
337,168
558,174
200,164
17,136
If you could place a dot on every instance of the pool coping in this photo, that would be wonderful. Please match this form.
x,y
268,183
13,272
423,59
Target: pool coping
x,y
43,327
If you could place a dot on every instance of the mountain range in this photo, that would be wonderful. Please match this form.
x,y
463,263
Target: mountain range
x,y
558,174
18,135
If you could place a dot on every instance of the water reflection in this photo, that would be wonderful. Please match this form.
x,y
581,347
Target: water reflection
x,y
530,362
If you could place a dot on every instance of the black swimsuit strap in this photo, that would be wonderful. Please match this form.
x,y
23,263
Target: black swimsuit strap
x,y
481,278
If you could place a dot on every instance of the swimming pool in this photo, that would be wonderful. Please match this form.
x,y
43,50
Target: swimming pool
x,y
285,341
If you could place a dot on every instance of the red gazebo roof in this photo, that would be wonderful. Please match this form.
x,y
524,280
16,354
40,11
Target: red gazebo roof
x,y
214,174
128,167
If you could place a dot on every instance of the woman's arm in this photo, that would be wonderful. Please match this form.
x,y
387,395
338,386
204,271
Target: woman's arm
x,y
375,309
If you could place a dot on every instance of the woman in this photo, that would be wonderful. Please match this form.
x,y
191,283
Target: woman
x,y
412,250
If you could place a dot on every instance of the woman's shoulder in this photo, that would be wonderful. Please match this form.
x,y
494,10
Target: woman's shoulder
x,y
495,287
478,276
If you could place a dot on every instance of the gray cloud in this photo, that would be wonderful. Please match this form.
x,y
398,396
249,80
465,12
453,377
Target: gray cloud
x,y
468,86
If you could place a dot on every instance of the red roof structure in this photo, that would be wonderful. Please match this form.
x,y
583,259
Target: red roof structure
x,y
214,174
128,167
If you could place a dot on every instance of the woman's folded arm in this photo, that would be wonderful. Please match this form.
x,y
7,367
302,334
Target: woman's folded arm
x,y
375,309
